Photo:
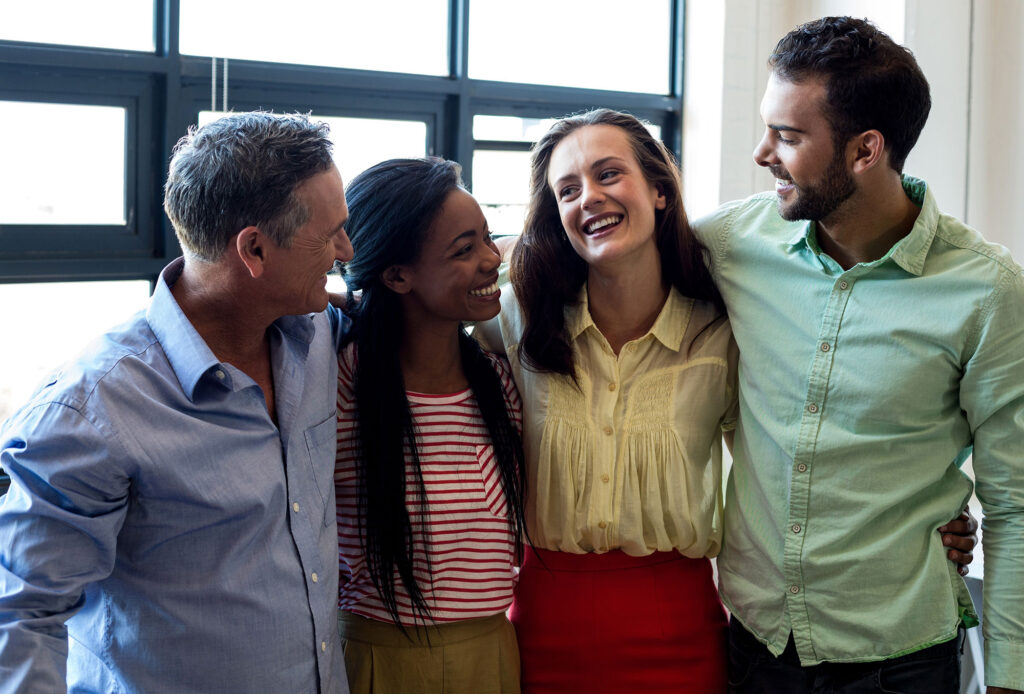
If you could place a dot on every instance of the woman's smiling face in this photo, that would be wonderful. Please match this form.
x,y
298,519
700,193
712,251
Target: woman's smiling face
x,y
455,277
606,204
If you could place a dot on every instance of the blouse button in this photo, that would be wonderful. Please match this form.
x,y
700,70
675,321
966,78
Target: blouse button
x,y
611,387
631,348
608,431
844,285
602,525
801,468
812,408
605,477
825,347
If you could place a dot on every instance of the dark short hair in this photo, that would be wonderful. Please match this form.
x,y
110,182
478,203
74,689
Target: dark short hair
x,y
871,82
242,170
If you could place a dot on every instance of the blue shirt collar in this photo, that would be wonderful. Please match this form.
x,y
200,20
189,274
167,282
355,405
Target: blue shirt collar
x,y
189,356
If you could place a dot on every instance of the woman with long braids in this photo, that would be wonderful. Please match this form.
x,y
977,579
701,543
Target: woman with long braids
x,y
430,474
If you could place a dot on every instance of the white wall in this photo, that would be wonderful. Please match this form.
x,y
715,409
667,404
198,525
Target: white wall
x,y
943,50
995,185
971,151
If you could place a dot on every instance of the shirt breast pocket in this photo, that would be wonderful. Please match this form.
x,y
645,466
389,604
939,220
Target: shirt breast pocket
x,y
321,444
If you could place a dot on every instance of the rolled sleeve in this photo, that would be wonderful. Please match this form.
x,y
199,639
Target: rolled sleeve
x,y
992,395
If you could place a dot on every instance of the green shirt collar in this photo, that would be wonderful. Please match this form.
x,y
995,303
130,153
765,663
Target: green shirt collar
x,y
910,251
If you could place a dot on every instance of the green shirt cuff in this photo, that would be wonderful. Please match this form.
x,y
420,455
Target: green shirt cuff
x,y
1004,664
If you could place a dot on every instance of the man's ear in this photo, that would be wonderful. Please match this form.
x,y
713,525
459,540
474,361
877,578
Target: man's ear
x,y
396,278
252,246
868,150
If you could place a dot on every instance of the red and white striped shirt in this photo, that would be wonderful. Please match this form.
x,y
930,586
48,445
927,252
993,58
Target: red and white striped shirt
x,y
471,547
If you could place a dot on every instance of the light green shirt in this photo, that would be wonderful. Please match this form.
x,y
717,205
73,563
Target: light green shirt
x,y
861,395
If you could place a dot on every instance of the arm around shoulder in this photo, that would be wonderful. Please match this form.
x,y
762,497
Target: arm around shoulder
x,y
488,334
491,334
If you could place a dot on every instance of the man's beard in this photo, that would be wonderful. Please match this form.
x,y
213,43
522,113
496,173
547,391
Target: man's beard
x,y
816,202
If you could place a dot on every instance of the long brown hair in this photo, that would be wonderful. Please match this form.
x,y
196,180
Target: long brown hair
x,y
547,273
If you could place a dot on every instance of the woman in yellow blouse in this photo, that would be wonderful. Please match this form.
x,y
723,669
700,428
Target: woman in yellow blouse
x,y
627,368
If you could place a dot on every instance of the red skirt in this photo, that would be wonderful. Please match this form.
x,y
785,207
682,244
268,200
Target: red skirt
x,y
614,623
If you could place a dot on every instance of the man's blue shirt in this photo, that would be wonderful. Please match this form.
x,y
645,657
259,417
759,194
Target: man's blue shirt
x,y
186,540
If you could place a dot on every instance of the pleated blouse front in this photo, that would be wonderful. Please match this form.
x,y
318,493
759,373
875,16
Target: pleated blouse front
x,y
631,458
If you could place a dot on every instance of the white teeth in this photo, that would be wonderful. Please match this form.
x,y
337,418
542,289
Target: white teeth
x,y
602,223
486,291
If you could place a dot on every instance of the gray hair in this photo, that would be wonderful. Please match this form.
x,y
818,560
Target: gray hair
x,y
242,170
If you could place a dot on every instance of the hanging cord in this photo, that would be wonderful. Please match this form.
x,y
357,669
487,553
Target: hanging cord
x,y
213,85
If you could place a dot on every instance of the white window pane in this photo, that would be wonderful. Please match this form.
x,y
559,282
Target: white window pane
x,y
359,143
501,177
73,175
47,335
388,35
597,44
510,128
505,220
501,184
125,24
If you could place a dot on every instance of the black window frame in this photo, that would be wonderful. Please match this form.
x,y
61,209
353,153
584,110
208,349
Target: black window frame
x,y
164,91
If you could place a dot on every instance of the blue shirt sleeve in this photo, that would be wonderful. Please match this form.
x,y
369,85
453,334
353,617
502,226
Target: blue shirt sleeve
x,y
58,528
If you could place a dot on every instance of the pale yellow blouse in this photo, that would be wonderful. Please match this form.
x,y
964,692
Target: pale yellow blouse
x,y
632,459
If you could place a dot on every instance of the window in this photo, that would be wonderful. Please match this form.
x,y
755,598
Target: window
x,y
412,34
50,323
65,164
501,184
77,23
597,44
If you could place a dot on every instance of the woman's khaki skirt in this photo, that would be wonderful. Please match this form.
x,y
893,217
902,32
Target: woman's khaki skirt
x,y
475,656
